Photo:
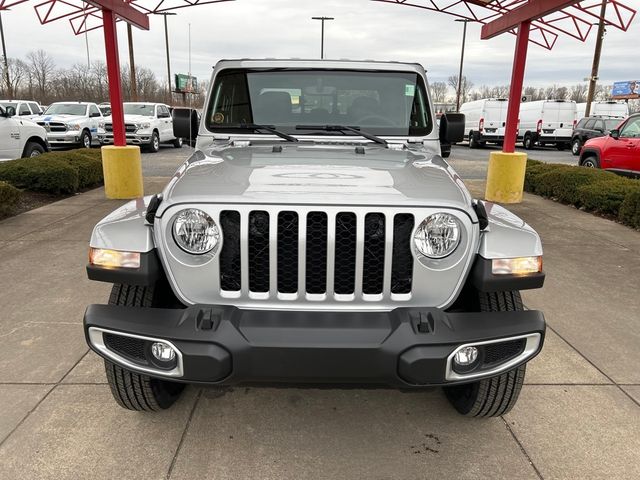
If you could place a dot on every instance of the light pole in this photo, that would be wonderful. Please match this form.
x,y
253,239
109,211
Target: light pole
x,y
166,41
132,66
596,59
6,61
322,19
464,39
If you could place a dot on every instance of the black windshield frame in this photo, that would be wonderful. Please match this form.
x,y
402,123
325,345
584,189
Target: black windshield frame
x,y
420,94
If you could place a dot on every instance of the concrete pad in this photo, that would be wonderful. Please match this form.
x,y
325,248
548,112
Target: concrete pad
x,y
48,283
591,299
17,401
40,352
89,370
16,227
558,363
60,207
79,432
633,391
293,433
586,432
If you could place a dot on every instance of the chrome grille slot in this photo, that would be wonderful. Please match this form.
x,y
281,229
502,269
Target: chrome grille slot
x,y
345,254
287,252
316,260
259,251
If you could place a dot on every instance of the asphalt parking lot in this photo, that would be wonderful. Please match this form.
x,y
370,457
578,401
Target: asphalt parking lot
x,y
578,415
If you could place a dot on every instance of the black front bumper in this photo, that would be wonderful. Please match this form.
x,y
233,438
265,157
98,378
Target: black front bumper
x,y
406,347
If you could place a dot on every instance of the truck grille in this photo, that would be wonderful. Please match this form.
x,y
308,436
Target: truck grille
x,y
53,126
129,127
343,255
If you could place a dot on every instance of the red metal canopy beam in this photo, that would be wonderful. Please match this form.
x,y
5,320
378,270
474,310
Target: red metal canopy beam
x,y
532,10
124,10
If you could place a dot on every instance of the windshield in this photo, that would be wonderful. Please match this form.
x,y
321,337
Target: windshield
x,y
4,105
66,109
378,102
612,123
146,109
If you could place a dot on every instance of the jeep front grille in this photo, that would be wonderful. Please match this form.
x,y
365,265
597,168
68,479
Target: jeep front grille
x,y
342,255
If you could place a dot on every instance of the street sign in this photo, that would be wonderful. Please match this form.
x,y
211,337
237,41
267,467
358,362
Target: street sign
x,y
185,83
626,90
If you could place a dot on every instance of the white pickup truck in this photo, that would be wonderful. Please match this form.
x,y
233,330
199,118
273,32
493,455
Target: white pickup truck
x,y
26,109
20,137
72,124
146,124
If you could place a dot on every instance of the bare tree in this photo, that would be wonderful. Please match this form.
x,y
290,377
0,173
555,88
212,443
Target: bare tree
x,y
41,68
439,92
465,87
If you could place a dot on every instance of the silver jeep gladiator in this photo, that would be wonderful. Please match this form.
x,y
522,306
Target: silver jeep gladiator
x,y
316,236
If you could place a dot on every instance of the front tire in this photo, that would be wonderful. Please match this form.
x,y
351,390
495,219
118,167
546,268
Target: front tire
x,y
85,139
32,149
528,142
576,146
154,144
495,396
590,162
131,390
473,141
178,143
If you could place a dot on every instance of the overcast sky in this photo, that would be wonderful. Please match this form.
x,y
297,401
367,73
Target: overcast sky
x,y
361,30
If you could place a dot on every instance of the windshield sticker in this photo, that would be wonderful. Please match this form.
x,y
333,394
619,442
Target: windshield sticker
x,y
409,90
218,117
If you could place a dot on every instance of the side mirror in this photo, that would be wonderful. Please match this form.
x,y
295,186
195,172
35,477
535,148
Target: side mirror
x,y
10,112
94,114
615,134
451,128
185,124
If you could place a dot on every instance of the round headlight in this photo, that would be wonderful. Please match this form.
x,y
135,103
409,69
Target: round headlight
x,y
195,231
438,235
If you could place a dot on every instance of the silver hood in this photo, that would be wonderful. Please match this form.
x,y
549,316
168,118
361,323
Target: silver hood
x,y
303,174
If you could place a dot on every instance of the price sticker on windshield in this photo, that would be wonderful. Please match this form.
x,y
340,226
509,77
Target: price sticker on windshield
x,y
409,90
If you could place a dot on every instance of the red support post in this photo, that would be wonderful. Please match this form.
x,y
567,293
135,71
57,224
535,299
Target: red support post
x,y
515,92
113,74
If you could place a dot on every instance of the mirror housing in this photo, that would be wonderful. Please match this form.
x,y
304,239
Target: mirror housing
x,y
451,128
94,114
185,124
615,134
9,112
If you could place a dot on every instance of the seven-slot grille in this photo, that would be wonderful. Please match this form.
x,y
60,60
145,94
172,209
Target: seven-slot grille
x,y
343,255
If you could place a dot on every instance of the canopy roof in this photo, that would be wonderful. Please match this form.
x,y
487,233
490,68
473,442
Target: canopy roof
x,y
575,19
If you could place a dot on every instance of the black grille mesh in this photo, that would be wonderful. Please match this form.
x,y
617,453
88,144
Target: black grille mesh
x,y
127,346
287,252
373,268
259,251
402,264
345,257
316,261
503,351
230,254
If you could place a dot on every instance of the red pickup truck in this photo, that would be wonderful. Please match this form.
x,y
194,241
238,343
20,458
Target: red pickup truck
x,y
618,152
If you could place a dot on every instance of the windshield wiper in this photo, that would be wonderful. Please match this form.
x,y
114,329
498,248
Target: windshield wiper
x,y
268,128
344,128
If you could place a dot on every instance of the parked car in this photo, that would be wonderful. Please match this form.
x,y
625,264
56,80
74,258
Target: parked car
x,y
608,108
485,121
146,124
618,152
591,127
105,109
547,122
20,137
71,124
26,109
321,241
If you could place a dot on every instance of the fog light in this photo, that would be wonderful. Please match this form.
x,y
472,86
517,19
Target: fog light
x,y
516,266
114,258
466,356
162,352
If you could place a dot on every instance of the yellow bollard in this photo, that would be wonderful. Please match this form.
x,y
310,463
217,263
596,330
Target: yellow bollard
x,y
122,167
505,177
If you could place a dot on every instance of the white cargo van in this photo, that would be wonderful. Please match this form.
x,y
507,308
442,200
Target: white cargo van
x,y
609,108
485,121
547,122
